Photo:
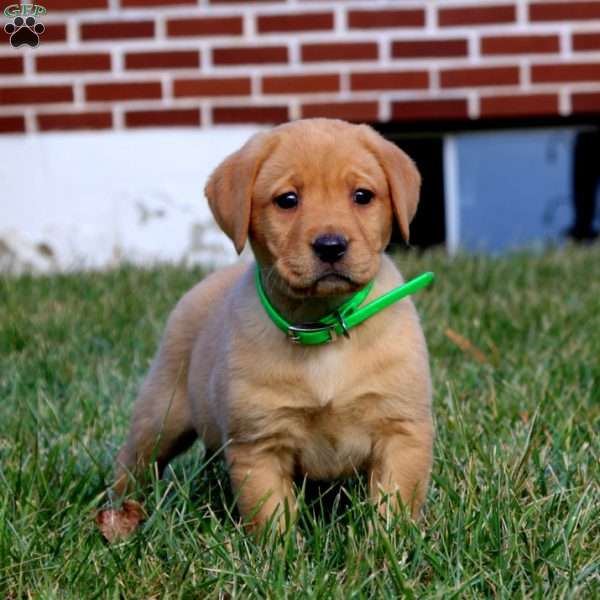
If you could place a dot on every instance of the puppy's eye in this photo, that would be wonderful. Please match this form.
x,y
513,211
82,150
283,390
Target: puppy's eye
x,y
362,196
287,200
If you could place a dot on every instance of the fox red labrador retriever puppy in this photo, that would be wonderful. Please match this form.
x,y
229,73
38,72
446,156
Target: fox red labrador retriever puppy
x,y
242,364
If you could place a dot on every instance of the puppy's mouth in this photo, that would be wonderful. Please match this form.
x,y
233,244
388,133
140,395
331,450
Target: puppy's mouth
x,y
320,281
332,283
333,276
324,286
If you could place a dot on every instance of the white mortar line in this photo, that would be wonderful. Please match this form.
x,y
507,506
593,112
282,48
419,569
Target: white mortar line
x,y
525,74
434,80
522,14
160,30
340,26
78,95
249,25
166,87
344,81
29,67
30,120
564,101
294,109
431,21
114,8
294,59
473,102
473,48
118,113
385,107
73,42
566,49
205,116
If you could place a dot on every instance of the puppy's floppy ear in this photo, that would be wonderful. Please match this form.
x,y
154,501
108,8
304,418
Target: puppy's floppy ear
x,y
403,178
229,188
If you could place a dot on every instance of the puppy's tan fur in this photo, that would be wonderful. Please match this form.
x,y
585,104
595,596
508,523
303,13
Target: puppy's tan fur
x,y
226,374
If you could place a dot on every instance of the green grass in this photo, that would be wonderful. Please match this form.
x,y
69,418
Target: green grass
x,y
514,506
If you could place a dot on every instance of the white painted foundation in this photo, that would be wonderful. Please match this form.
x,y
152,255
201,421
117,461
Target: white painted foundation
x,y
93,200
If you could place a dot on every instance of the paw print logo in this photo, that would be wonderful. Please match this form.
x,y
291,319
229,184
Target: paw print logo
x,y
24,31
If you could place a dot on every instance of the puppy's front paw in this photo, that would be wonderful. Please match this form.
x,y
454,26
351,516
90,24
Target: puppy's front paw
x,y
118,524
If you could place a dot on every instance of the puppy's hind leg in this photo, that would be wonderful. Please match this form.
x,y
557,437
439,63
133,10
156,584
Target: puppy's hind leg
x,y
161,427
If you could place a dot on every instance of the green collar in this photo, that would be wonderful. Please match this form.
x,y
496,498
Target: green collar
x,y
347,316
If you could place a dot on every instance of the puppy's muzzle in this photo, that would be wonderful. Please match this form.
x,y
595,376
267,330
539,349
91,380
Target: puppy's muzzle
x,y
330,248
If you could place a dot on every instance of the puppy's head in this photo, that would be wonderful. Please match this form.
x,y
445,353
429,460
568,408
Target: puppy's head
x,y
316,198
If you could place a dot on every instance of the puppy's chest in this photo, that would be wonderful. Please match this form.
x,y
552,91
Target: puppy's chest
x,y
334,385
328,377
333,434
330,442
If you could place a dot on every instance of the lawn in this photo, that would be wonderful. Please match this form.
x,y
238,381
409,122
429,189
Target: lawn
x,y
514,506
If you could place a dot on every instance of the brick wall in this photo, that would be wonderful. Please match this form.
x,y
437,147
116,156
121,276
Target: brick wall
x,y
105,64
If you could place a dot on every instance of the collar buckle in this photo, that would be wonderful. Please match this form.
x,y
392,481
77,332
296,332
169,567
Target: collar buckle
x,y
295,332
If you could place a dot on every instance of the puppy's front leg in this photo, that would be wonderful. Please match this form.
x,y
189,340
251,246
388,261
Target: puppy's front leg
x,y
401,466
262,479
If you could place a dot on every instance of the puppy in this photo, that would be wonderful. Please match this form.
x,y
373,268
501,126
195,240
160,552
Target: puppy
x,y
316,199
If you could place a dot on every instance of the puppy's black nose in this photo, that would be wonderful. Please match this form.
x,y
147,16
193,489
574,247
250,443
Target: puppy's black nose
x,y
330,248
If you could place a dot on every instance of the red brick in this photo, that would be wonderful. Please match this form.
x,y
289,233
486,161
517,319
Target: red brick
x,y
520,44
519,106
479,76
73,5
429,110
383,19
339,51
56,63
36,94
295,22
54,32
177,117
476,15
155,3
389,80
125,90
65,121
250,55
565,72
117,30
349,111
300,84
586,102
174,59
212,86
222,115
564,11
204,26
12,124
586,41
11,65
429,48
